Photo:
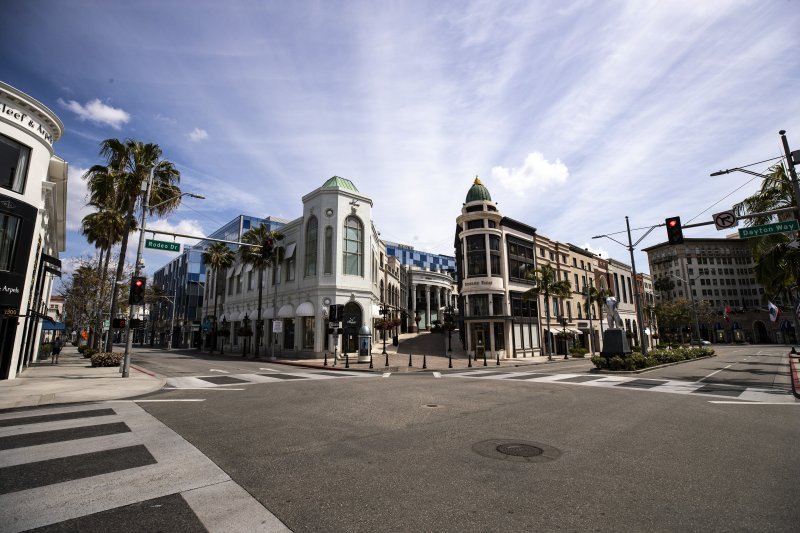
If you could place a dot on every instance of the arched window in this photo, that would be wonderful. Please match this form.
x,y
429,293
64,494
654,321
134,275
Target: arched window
x,y
311,247
353,247
328,260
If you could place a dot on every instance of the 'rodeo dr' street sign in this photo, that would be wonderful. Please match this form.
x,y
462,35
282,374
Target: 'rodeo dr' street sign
x,y
162,245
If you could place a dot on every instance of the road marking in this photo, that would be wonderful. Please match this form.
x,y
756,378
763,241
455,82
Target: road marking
x,y
386,374
153,401
756,403
711,374
218,370
437,374
270,369
219,387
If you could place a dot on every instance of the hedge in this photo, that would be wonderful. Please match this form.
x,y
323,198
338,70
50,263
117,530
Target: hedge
x,y
637,361
106,359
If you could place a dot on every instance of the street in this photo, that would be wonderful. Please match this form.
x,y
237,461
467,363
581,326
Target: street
x,y
704,445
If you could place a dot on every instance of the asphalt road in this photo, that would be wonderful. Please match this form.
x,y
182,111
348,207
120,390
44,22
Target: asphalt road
x,y
416,452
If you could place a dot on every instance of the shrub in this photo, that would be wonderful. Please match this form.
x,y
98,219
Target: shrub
x,y
616,363
599,361
106,359
578,351
81,348
89,352
635,361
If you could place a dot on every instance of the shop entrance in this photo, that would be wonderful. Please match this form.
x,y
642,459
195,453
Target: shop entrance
x,y
352,320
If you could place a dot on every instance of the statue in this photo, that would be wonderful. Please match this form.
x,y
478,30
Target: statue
x,y
612,314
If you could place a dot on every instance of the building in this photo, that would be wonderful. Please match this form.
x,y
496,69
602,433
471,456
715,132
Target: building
x,y
331,255
33,204
179,309
721,273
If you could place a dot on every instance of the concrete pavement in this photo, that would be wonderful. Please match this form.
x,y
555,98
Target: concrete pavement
x,y
73,380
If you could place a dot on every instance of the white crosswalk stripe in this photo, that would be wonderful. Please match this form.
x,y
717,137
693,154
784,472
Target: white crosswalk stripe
x,y
639,382
214,381
55,466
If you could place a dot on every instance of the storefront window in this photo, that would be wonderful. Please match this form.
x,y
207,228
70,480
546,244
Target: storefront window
x,y
8,237
479,305
13,164
476,255
308,333
499,341
353,247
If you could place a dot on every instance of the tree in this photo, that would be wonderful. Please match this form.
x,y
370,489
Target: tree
x,y
127,169
599,297
777,263
547,284
674,314
219,257
664,285
255,256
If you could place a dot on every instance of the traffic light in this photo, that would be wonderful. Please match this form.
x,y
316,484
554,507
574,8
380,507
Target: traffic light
x,y
674,230
118,323
266,248
136,296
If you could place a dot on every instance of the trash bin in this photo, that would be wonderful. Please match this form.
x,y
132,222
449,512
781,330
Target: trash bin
x,y
364,344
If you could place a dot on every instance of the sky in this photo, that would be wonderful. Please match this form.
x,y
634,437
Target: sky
x,y
574,114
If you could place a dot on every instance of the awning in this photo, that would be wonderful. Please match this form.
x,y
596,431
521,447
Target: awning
x,y
305,309
576,331
52,326
232,317
287,311
290,250
266,313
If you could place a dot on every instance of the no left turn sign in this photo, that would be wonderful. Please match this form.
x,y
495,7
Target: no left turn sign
x,y
725,220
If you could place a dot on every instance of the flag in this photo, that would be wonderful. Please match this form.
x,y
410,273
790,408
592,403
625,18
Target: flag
x,y
727,313
774,312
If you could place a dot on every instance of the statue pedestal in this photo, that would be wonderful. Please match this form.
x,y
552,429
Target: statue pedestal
x,y
615,343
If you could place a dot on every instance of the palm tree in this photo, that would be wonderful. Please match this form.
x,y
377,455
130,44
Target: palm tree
x,y
128,167
255,256
599,297
220,258
664,285
547,284
777,264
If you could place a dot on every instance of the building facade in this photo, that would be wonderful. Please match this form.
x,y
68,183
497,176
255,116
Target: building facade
x,y
179,310
33,193
721,273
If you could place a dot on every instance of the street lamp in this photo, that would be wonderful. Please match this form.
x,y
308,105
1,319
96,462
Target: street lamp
x,y
589,309
224,328
126,363
245,328
384,312
694,306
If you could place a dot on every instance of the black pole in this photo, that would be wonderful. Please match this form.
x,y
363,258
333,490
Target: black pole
x,y
424,361
498,358
387,360
370,358
450,359
346,360
409,360
326,359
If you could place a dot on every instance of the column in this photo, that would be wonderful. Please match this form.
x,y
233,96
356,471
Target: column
x,y
413,327
427,306
438,302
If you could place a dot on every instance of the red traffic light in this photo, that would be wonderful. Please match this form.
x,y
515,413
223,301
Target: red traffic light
x,y
674,230
672,222
138,282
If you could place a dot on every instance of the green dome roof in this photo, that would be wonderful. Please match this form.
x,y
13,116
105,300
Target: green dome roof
x,y
478,192
342,183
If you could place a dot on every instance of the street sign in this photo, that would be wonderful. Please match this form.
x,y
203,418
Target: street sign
x,y
162,245
769,229
725,220
277,326
334,324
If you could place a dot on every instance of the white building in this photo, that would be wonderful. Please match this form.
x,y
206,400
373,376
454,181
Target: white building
x,y
331,256
33,202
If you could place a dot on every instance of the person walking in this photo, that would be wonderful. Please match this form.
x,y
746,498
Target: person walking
x,y
57,343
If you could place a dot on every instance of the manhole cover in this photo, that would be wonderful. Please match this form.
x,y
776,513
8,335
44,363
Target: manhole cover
x,y
516,451
520,450
431,405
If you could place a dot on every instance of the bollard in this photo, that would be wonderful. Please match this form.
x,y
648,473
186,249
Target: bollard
x,y
450,359
387,359
346,360
498,358
469,358
424,361
326,359
409,360
484,358
370,358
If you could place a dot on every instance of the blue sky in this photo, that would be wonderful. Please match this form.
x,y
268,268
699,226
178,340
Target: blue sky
x,y
573,114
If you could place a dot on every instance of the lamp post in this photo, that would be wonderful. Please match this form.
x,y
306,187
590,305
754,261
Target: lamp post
x,y
245,328
694,306
589,309
224,328
384,312
126,362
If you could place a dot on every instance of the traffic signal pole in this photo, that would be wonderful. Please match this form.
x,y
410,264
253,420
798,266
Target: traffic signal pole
x,y
126,361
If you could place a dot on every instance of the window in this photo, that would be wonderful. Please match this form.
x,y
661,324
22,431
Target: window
x,y
497,305
328,260
499,340
479,305
494,254
8,238
291,263
311,247
521,306
250,281
475,224
13,164
353,254
238,284
476,255
520,260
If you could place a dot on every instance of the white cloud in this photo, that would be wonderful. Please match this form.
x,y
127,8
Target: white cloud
x,y
198,135
98,112
536,172
602,252
186,227
76,198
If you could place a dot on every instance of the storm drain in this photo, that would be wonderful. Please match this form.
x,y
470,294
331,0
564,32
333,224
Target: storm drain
x,y
516,450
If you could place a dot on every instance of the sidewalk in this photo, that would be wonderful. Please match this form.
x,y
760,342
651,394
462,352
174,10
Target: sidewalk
x,y
73,380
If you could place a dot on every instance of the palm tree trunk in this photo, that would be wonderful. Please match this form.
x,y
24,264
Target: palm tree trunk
x,y
548,342
123,248
216,295
258,315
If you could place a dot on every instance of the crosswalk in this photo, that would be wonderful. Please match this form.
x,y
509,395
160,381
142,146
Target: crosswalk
x,y
729,392
110,463
210,382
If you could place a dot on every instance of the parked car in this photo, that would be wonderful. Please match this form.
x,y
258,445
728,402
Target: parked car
x,y
700,342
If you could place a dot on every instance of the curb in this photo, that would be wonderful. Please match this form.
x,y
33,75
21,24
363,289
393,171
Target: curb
x,y
793,363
